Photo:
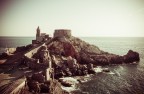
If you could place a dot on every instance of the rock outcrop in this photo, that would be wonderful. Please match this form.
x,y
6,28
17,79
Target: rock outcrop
x,y
36,84
65,45
131,56
66,56
85,53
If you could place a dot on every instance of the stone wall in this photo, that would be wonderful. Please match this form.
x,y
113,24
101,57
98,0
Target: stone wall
x,y
62,33
33,51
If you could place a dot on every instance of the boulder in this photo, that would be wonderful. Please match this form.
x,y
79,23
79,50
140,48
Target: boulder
x,y
38,77
91,71
33,85
106,70
68,81
71,62
90,66
68,72
84,72
44,88
59,74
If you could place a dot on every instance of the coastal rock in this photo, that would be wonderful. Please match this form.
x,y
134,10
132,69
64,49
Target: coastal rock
x,y
62,46
92,54
106,70
51,86
84,46
59,74
131,57
85,53
68,81
38,77
64,56
69,50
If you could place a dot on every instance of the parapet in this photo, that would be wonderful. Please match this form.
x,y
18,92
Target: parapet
x,y
62,33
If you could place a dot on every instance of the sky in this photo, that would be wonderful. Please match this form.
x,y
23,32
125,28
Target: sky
x,y
85,18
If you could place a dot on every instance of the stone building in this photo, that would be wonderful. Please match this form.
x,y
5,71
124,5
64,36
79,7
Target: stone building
x,y
62,33
40,37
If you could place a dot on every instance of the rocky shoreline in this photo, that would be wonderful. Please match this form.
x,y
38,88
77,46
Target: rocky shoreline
x,y
65,56
70,57
86,53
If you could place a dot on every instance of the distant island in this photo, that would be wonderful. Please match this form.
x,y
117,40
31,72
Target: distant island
x,y
44,63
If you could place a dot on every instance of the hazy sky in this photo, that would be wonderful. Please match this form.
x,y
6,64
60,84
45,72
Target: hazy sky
x,y
83,17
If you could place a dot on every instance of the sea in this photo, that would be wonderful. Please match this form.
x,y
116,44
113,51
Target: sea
x,y
122,79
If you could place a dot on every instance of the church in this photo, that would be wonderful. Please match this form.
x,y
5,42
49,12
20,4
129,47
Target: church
x,y
40,37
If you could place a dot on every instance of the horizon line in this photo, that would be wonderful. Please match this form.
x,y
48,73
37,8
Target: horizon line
x,y
82,36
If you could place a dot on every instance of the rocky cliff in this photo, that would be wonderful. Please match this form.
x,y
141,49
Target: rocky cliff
x,y
86,53
66,56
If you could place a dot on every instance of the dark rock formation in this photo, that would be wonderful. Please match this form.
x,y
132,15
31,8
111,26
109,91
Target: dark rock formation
x,y
66,83
131,56
85,53
106,70
65,55
36,84
73,57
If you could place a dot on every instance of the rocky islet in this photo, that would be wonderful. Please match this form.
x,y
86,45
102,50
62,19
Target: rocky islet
x,y
64,55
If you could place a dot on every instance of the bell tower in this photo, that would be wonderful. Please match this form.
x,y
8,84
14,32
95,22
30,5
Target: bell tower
x,y
38,32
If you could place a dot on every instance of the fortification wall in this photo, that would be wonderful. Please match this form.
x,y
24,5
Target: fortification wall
x,y
30,53
62,33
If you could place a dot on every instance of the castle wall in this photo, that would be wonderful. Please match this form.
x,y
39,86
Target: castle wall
x,y
62,33
33,51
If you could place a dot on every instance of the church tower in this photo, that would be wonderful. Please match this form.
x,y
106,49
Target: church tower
x,y
38,32
38,35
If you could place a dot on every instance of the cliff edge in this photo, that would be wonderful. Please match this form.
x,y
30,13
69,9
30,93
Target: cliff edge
x,y
67,45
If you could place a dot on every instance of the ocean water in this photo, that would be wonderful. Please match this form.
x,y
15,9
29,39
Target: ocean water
x,y
13,42
123,79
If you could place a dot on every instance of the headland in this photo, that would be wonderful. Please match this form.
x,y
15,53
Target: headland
x,y
41,66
